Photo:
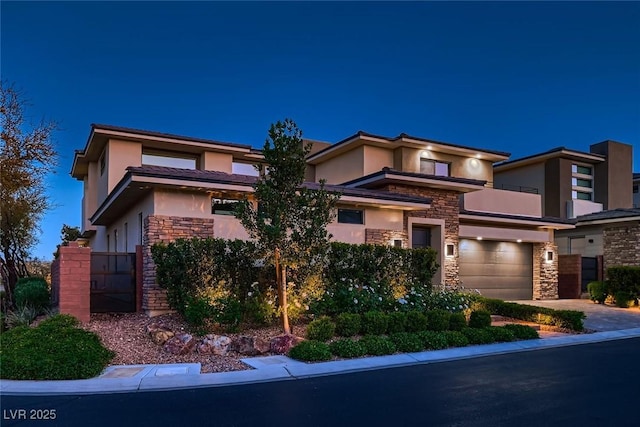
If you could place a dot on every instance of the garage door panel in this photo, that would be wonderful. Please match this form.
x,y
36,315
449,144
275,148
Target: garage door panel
x,y
507,294
497,269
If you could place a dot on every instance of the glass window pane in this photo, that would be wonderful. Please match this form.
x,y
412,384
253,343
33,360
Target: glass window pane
x,y
243,169
223,206
168,161
442,169
584,170
350,216
427,167
583,183
584,196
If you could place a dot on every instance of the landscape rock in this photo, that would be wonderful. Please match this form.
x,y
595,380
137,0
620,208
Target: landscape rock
x,y
180,344
214,344
250,346
160,334
283,343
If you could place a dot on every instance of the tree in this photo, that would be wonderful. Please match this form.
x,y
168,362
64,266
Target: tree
x,y
67,234
289,220
27,155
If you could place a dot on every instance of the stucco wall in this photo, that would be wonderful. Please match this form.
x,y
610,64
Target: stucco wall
x,y
343,168
526,176
504,202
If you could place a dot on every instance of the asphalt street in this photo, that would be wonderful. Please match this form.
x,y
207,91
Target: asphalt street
x,y
582,385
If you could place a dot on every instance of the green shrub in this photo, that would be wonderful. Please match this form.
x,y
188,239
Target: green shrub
x,y
438,320
374,323
625,279
622,299
21,316
568,319
416,321
322,329
522,332
456,339
228,313
53,351
348,348
397,322
433,340
478,336
377,345
348,324
3,325
480,319
310,351
407,342
501,334
597,292
457,321
33,292
197,312
59,321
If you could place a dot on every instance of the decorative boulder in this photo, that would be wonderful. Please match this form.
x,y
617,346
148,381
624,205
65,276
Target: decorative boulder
x,y
180,344
283,343
214,344
159,334
250,346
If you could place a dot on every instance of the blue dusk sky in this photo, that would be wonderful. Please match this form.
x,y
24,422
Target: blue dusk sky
x,y
511,76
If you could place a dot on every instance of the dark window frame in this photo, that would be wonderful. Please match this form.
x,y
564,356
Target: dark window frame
x,y
343,216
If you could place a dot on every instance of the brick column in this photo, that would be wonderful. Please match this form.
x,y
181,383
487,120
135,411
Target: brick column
x,y
74,271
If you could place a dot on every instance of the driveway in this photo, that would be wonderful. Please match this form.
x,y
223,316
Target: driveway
x,y
599,317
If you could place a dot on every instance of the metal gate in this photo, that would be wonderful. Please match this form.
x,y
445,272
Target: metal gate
x,y
589,271
113,282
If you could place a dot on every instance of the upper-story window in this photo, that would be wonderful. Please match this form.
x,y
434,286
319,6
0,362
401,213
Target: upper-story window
x,y
243,169
581,182
432,167
635,189
103,162
169,160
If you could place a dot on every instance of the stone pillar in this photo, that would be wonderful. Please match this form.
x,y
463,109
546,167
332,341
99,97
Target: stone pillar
x,y
165,229
621,244
74,271
545,271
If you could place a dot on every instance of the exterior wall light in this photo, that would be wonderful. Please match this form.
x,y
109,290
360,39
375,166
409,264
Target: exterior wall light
x,y
449,250
549,256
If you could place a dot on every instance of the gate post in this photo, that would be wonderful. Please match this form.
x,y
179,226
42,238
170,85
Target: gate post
x,y
75,281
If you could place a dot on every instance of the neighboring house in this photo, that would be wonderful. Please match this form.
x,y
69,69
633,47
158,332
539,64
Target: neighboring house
x,y
595,191
636,190
573,183
144,187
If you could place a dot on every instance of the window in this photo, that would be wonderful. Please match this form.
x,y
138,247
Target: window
x,y
223,206
141,228
108,244
583,170
168,160
103,162
243,169
351,216
126,237
580,195
115,240
431,167
635,189
581,182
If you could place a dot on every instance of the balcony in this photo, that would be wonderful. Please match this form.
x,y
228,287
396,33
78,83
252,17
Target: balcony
x,y
579,207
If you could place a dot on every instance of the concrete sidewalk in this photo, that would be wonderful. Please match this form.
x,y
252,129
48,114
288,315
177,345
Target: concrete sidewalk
x,y
135,378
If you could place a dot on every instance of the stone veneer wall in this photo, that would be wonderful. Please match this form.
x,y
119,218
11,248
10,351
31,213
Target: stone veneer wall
x,y
444,205
621,245
165,229
545,274
376,236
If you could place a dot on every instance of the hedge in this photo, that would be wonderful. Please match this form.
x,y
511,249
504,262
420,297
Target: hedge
x,y
624,279
569,319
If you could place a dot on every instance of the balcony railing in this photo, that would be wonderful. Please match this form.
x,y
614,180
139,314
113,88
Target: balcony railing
x,y
510,187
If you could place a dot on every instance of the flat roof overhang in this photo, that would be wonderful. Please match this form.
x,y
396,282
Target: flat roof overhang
x,y
386,177
133,188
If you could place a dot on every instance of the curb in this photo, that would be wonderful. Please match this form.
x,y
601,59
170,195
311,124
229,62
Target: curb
x,y
279,368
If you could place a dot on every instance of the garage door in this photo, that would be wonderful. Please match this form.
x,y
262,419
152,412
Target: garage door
x,y
497,269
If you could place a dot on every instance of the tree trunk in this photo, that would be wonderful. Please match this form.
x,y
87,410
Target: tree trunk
x,y
281,279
